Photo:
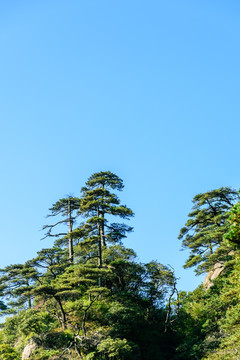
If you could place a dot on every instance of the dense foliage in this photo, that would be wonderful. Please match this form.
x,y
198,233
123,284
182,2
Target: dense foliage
x,y
87,297
209,319
204,231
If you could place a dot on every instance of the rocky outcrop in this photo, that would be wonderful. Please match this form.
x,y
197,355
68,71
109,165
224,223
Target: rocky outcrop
x,y
32,345
214,273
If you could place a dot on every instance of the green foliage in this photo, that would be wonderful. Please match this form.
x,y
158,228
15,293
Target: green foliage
x,y
8,353
209,326
97,203
204,231
67,208
16,284
25,324
119,348
233,234
103,304
43,354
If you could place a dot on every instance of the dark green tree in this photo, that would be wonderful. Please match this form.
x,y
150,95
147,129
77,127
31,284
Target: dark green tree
x,y
97,203
50,264
16,283
66,208
233,234
204,231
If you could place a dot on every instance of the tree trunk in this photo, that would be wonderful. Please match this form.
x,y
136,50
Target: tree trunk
x,y
62,313
70,223
210,247
100,262
29,298
103,242
29,302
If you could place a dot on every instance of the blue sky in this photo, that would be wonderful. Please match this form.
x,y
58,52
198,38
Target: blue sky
x,y
146,89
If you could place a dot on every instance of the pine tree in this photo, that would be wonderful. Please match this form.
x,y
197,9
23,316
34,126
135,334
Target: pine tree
x,y
97,204
233,234
204,231
16,283
50,264
65,207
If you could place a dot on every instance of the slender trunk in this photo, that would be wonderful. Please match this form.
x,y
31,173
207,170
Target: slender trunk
x,y
70,223
100,262
210,247
29,298
103,242
83,324
29,302
170,308
77,351
85,316
62,312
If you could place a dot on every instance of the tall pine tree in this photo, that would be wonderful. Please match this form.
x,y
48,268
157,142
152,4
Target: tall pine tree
x,y
67,208
204,231
98,203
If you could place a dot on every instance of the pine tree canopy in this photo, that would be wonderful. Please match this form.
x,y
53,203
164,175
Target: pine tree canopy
x,y
204,231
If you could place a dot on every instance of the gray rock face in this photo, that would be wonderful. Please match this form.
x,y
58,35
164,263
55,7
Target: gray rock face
x,y
214,273
29,348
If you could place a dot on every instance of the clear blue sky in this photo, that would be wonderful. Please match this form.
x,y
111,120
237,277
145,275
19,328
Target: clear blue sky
x,y
146,89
